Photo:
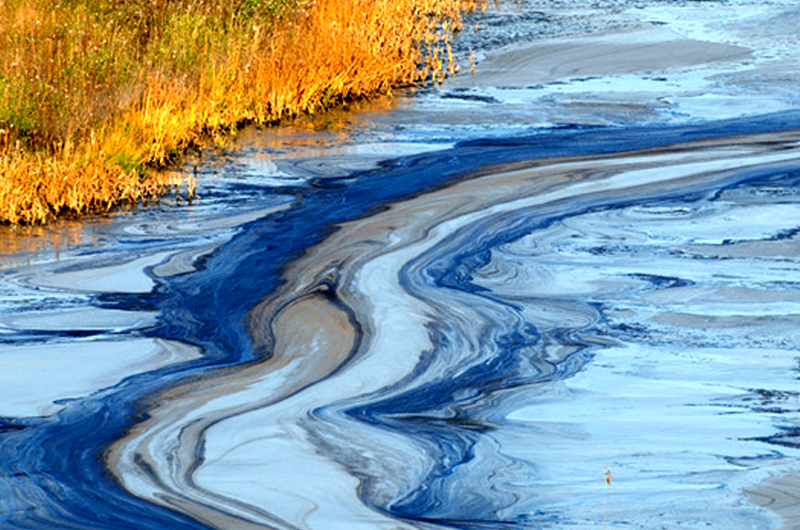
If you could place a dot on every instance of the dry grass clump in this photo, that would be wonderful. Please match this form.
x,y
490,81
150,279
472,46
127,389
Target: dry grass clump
x,y
95,95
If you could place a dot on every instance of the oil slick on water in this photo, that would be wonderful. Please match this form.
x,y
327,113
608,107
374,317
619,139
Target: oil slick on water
x,y
455,312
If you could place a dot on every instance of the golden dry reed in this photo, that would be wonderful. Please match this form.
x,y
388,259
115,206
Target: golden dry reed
x,y
97,95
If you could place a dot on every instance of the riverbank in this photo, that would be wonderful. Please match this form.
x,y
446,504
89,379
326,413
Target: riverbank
x,y
95,97
623,300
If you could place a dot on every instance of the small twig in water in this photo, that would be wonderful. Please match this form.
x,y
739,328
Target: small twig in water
x,y
608,476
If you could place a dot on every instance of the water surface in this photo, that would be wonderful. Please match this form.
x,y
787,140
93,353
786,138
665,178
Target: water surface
x,y
455,310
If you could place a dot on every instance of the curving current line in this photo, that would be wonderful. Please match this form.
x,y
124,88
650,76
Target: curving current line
x,y
472,356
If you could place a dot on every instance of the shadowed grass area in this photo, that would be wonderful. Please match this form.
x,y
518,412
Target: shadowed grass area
x,y
96,95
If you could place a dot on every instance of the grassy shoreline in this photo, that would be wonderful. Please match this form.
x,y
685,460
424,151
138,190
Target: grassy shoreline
x,y
96,96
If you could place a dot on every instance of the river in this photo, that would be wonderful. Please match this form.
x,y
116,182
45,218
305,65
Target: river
x,y
560,292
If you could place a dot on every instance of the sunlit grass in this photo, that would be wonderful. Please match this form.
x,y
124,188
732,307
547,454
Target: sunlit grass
x,y
96,95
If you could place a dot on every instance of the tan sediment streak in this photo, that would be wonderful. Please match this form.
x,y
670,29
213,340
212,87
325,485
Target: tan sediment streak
x,y
309,338
546,61
781,495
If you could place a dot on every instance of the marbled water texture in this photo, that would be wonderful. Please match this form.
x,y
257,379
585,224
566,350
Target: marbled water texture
x,y
467,337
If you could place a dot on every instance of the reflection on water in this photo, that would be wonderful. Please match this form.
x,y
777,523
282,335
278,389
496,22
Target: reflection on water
x,y
21,246
452,309
309,136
